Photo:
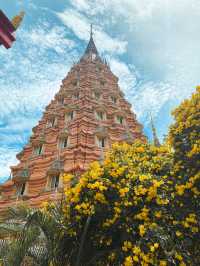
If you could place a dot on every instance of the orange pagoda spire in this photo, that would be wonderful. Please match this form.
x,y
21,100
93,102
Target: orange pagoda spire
x,y
86,116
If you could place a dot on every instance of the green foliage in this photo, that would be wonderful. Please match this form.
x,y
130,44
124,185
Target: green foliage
x,y
36,237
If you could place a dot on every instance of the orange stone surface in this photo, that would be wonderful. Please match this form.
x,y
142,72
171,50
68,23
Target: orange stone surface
x,y
86,116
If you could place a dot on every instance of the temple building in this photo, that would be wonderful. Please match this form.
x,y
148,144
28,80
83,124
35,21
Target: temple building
x,y
87,115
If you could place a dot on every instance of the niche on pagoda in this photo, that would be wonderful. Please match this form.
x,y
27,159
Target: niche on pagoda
x,y
63,140
119,118
102,82
20,180
54,173
70,113
101,137
114,99
100,113
52,120
38,145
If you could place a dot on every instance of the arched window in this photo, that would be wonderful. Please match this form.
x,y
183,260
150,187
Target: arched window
x,y
101,142
55,179
70,116
120,119
21,189
61,100
97,95
113,99
64,142
100,115
38,150
52,122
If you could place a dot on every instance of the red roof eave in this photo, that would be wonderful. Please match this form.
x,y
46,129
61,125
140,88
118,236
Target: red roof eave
x,y
6,38
5,23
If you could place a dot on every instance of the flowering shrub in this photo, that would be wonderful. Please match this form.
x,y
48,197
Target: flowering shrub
x,y
127,200
184,136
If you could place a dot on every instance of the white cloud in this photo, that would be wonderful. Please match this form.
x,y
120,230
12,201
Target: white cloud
x,y
126,73
80,25
50,38
7,158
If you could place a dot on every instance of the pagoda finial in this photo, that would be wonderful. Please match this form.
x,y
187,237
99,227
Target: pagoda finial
x,y
91,30
155,137
91,47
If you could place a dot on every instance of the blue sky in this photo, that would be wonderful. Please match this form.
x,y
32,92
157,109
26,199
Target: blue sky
x,y
152,46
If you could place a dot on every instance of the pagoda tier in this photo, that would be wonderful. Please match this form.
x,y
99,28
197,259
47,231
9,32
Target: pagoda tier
x,y
87,115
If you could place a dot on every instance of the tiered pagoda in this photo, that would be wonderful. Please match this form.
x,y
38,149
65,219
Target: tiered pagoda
x,y
87,115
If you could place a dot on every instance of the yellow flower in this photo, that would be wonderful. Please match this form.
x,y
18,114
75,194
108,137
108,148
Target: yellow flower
x,y
152,248
180,189
100,197
195,229
143,215
123,191
152,193
127,245
142,230
135,258
158,214
160,201
143,177
128,261
178,257
156,245
178,233
162,263
136,250
67,178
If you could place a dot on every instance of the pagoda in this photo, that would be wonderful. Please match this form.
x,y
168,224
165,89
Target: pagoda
x,y
87,115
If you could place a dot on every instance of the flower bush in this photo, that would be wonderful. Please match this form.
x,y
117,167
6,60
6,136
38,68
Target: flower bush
x,y
128,200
